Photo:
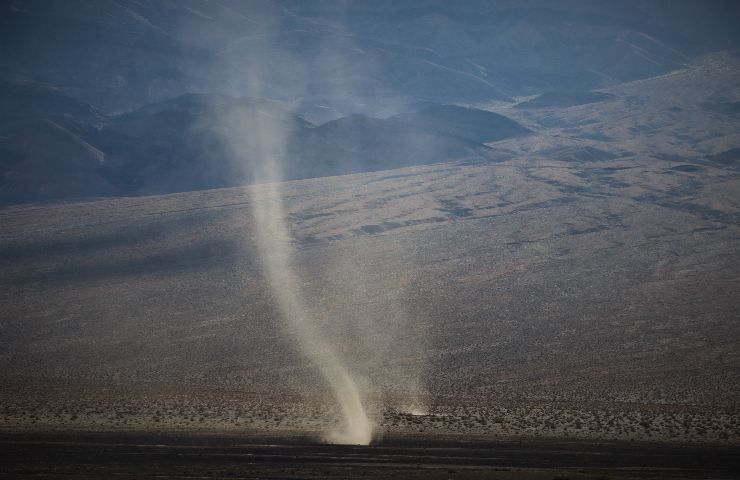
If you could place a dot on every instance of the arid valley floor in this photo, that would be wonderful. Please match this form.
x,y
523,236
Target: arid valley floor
x,y
581,284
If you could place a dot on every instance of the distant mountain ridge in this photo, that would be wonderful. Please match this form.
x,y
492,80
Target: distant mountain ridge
x,y
119,55
187,143
96,97
564,99
469,123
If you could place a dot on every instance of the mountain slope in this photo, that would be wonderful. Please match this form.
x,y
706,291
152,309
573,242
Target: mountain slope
x,y
43,160
359,143
475,125
120,55
200,141
185,143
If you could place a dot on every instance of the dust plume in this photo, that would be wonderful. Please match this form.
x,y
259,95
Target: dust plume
x,y
258,138
258,134
274,243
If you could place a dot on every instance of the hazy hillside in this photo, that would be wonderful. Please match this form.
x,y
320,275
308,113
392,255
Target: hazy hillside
x,y
563,99
44,145
119,79
359,143
63,149
183,144
119,55
21,100
471,124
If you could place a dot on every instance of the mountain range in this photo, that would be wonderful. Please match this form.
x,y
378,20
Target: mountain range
x,y
57,147
119,97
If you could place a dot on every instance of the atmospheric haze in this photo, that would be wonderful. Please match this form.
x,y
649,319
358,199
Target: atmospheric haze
x,y
258,139
268,137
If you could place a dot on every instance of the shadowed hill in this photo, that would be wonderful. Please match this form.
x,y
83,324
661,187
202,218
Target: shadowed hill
x,y
123,54
182,144
563,99
64,149
468,123
359,143
21,100
45,149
